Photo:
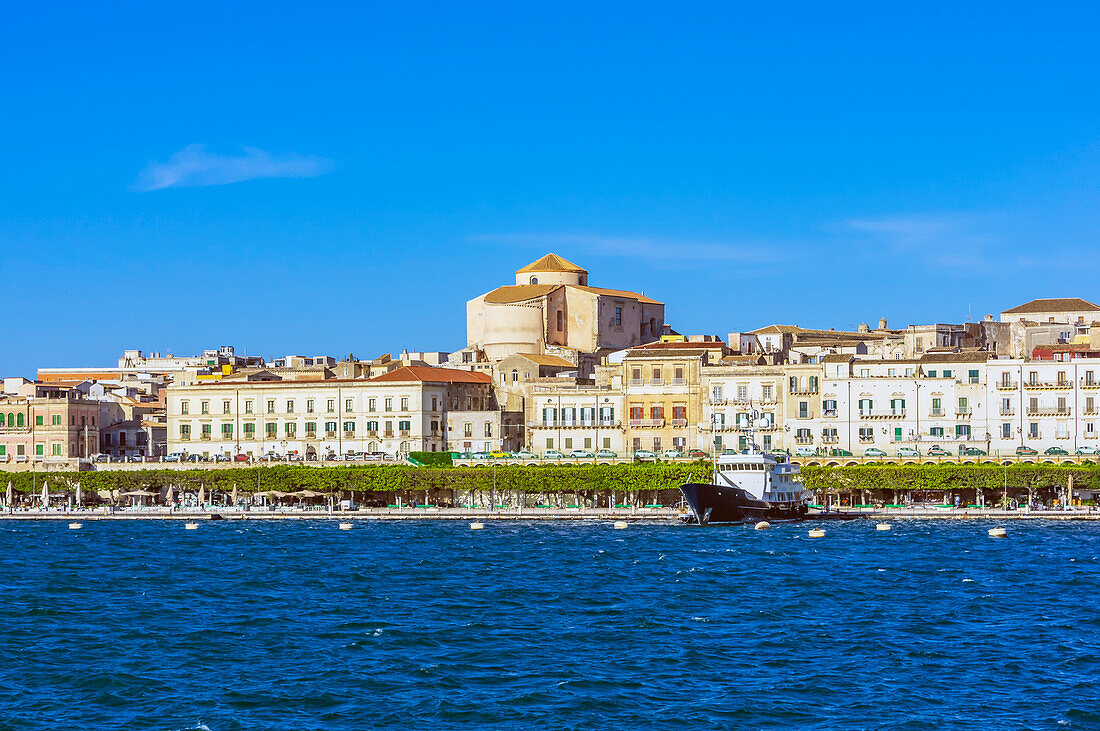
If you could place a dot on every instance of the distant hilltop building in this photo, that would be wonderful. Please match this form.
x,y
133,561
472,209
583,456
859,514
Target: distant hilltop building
x,y
1067,310
552,309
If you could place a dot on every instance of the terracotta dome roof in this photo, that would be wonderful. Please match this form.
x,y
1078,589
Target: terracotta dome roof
x,y
551,263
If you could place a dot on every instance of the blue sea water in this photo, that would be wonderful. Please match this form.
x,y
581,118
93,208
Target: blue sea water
x,y
298,625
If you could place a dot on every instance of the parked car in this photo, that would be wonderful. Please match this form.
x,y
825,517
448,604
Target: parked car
x,y
1088,450
645,454
908,452
174,457
1056,451
804,451
241,458
195,458
837,452
524,454
552,454
480,455
375,456
672,454
497,454
874,452
1026,452
580,454
699,454
101,458
937,451
294,457
606,454
221,457
971,452
784,452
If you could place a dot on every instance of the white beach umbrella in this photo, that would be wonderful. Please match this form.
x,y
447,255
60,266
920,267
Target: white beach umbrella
x,y
45,494
170,494
202,495
234,494
8,496
79,495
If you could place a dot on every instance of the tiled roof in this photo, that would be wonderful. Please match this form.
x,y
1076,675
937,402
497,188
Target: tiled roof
x,y
966,356
433,375
619,293
548,360
511,293
551,263
838,358
1066,304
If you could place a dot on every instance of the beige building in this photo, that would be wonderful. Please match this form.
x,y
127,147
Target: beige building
x,y
551,306
1066,310
662,393
406,410
564,415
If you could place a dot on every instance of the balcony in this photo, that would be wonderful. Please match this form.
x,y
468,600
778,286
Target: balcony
x,y
866,440
805,415
330,435
15,430
804,390
829,413
1090,411
636,382
679,422
963,413
1007,412
1048,411
679,381
1090,383
389,434
205,437
351,435
803,440
936,413
718,401
656,381
882,414
1007,385
185,437
647,422
1048,385
403,433
832,439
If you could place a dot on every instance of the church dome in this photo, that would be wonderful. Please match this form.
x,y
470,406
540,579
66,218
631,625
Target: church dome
x,y
552,269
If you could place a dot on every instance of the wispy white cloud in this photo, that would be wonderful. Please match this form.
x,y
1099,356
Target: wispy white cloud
x,y
194,166
638,247
941,239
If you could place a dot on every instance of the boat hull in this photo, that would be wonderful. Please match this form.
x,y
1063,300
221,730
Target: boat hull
x,y
724,504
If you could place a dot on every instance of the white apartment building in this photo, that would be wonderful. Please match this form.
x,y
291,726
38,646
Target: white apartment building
x,y
402,411
730,394
566,416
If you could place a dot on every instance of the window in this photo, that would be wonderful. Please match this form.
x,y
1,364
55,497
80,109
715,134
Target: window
x,y
1061,376
271,430
803,409
618,317
227,431
349,427
560,321
290,429
372,426
946,373
404,403
962,431
932,374
56,449
963,406
1006,431
897,406
309,406
678,375
767,393
3,450
57,420
866,434
657,411
290,406
205,407
892,372
271,406
467,429
792,384
1033,429
372,404
865,406
829,407
406,426
331,405
40,450
973,376
248,406
185,407
206,429
742,393
716,394
348,405
389,404
185,431
330,427
249,430
225,406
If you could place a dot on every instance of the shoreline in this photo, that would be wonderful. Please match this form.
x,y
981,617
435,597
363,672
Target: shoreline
x,y
650,515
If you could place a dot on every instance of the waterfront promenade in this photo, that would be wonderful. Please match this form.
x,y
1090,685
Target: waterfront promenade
x,y
636,515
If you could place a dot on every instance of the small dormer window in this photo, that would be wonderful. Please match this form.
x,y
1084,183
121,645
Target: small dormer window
x,y
534,280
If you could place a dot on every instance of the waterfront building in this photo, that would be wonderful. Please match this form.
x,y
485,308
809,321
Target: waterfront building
x,y
47,424
1064,310
564,414
405,410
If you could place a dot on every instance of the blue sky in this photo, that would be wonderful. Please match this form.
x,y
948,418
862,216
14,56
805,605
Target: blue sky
x,y
295,179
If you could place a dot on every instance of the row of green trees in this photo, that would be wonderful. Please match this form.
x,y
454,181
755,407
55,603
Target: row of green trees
x,y
588,478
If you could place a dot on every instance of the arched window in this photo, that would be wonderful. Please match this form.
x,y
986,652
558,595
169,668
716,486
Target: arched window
x,y
515,375
534,280
11,419
19,420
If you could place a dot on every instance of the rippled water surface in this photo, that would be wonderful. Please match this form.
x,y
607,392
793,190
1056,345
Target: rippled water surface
x,y
570,625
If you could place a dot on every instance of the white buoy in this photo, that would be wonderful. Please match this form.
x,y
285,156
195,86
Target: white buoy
x,y
191,526
762,525
619,524
998,533
75,526
817,533
883,526
476,526
345,526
